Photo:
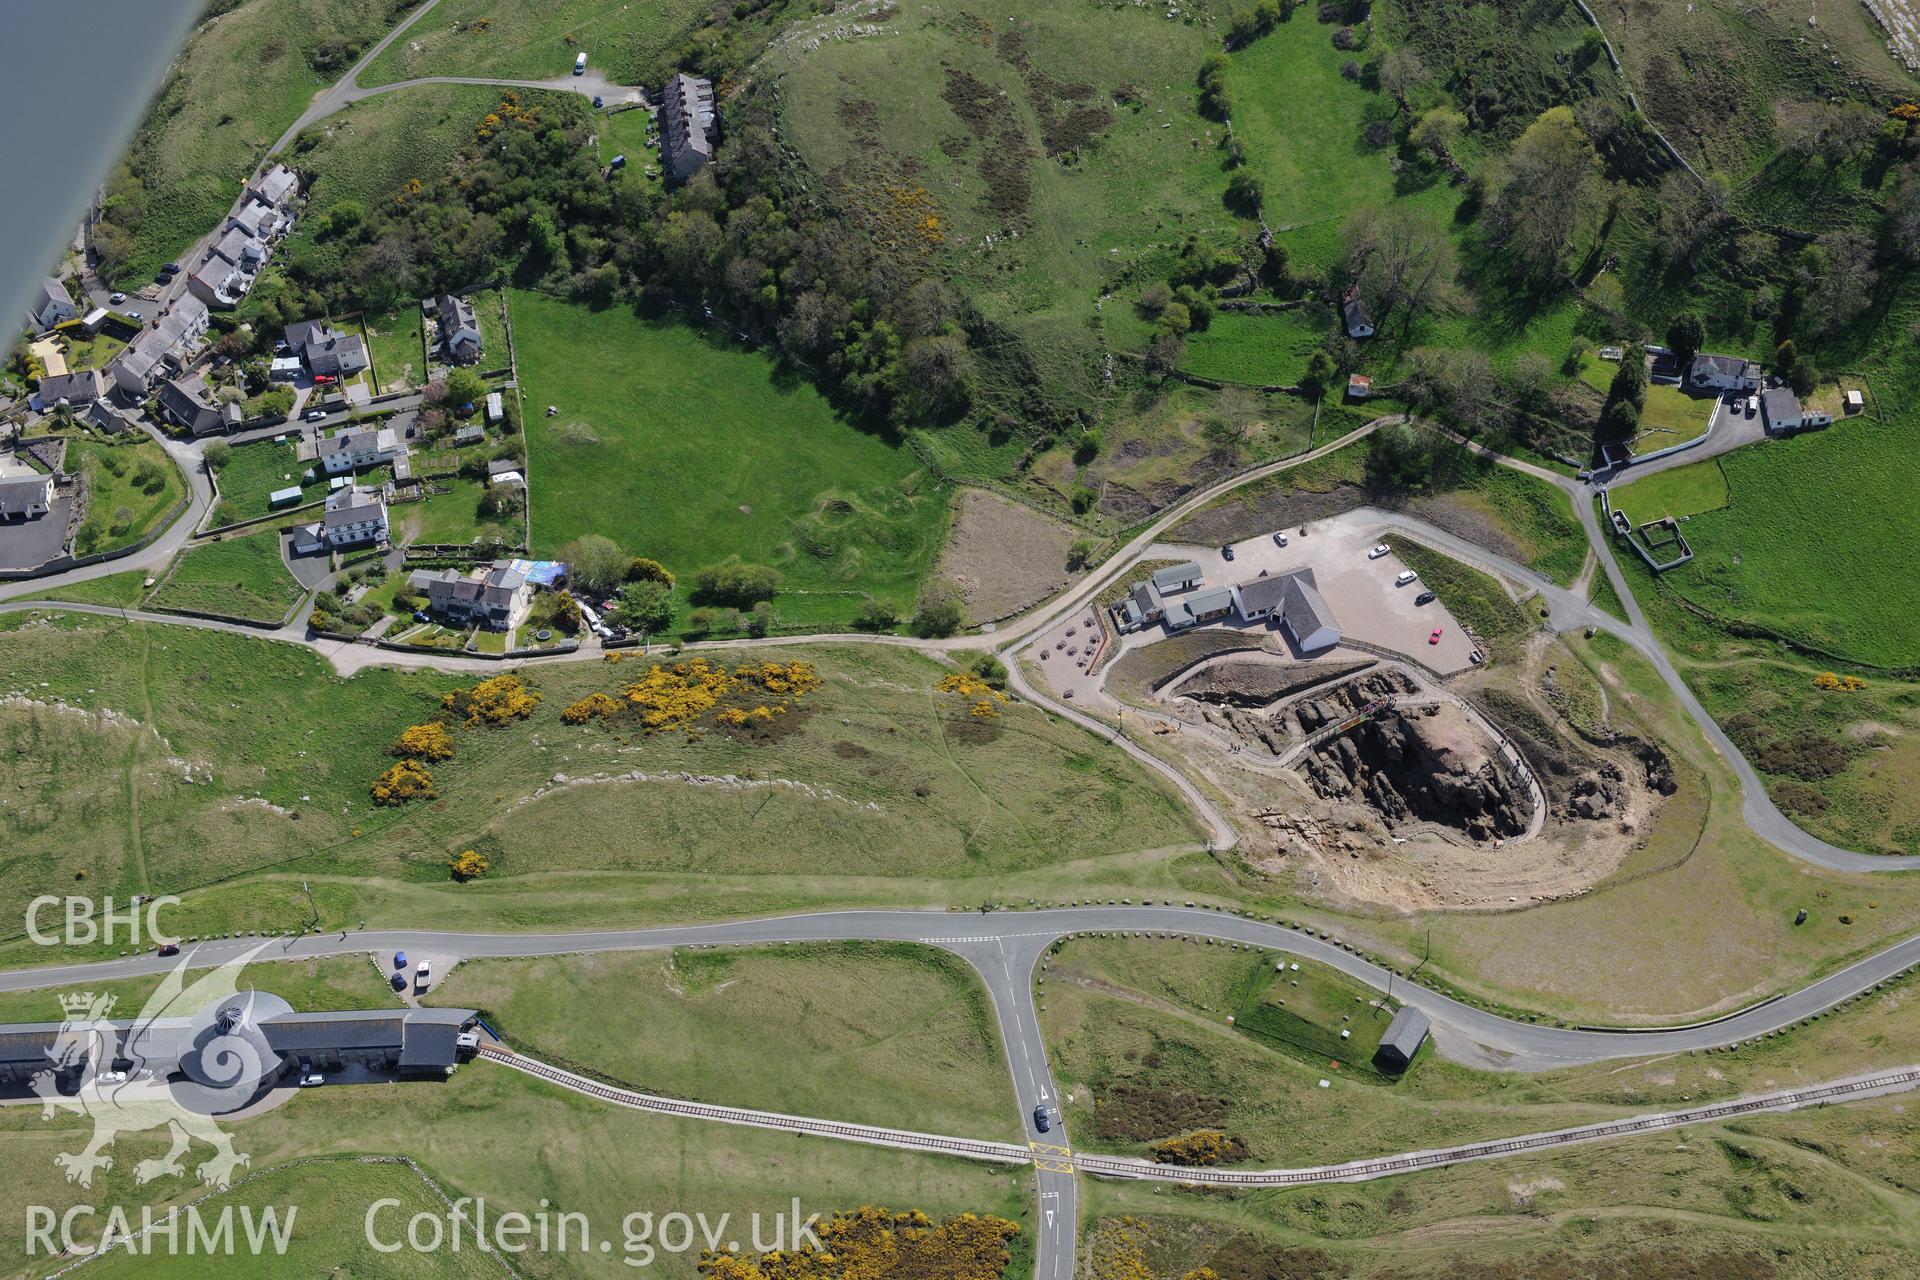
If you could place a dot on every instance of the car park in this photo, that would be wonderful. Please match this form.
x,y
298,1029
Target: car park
x,y
1379,549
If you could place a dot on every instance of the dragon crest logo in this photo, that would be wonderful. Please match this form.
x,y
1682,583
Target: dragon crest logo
x,y
194,1053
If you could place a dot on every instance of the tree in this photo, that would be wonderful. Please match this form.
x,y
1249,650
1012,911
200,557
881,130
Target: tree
x,y
939,375
1630,379
641,569
644,606
276,401
1531,378
1397,259
217,454
1684,338
1837,275
1833,132
1320,371
595,563
1436,131
876,615
1691,212
937,618
463,387
1244,192
736,583
1399,458
1547,191
1401,72
1903,215
1081,552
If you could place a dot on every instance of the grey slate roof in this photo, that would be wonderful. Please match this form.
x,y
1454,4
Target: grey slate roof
x,y
1177,575
20,494
79,388
1778,403
1404,1036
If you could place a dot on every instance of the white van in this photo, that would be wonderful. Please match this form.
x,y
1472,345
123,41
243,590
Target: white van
x,y
1406,576
423,974
580,65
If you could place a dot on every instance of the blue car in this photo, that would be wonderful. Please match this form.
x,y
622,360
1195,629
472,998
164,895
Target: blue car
x,y
399,959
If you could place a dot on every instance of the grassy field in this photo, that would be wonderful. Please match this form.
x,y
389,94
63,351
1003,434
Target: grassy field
x,y
240,577
394,342
131,489
1075,161
1773,554
242,79
453,516
1683,491
333,982
255,471
517,1144
690,452
498,38
123,590
897,798
866,1032
1260,350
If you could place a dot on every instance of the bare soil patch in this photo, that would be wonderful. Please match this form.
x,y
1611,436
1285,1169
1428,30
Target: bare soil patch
x,y
1462,514
1004,556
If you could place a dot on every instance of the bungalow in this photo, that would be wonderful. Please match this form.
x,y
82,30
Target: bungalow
x,y
275,187
1295,603
50,305
496,597
505,471
686,126
353,516
188,403
1782,411
1179,577
1723,373
25,497
459,329
1205,605
76,390
1359,321
358,448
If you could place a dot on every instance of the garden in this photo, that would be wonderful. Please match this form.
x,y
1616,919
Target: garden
x,y
131,488
239,577
251,473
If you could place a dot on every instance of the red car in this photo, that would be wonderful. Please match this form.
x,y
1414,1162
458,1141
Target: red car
x,y
1434,637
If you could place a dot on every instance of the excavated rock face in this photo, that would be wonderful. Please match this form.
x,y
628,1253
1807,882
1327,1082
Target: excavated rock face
x,y
1338,704
1432,767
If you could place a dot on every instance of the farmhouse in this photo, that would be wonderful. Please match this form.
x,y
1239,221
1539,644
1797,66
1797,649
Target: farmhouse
x,y
357,448
188,404
459,329
1403,1038
25,497
1359,320
1723,373
77,390
327,351
1782,411
1142,608
495,597
353,516
275,187
1295,602
50,305
686,130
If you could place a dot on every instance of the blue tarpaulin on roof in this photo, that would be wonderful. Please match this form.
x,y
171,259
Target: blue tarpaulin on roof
x,y
541,573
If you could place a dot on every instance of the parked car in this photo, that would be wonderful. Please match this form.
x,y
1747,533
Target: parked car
x,y
1434,638
135,316
424,974
308,1076
1753,405
1406,576
1425,597
1040,1121
116,298
315,415
399,959
597,102
168,949
1226,553
111,1077
1279,539
1379,549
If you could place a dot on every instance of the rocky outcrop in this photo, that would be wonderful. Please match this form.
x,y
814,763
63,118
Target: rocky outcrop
x,y
1428,765
1337,704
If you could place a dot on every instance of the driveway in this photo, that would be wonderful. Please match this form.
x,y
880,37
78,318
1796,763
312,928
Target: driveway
x,y
28,544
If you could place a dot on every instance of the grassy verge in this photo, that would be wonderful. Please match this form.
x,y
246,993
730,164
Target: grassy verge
x,y
241,577
865,1032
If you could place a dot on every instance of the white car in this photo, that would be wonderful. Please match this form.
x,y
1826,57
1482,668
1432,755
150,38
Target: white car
x,y
316,415
116,298
1406,576
1279,539
423,974
110,1077
1380,549
1753,405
